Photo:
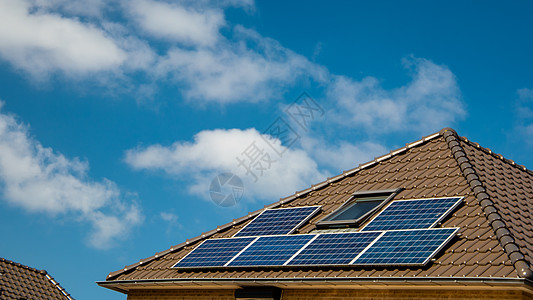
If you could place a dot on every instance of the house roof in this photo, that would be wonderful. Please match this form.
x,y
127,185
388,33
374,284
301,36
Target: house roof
x,y
495,240
18,281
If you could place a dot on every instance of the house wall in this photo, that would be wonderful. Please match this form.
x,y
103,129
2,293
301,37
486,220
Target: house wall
x,y
182,295
402,294
342,294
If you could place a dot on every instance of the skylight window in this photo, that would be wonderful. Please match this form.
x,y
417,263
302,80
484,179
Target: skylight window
x,y
359,208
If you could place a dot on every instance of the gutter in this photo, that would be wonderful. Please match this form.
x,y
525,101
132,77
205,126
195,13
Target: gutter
x,y
124,286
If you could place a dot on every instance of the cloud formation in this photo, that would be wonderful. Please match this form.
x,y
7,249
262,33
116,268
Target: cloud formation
x,y
216,151
37,179
40,42
524,109
343,155
232,72
430,101
190,45
90,8
177,23
44,37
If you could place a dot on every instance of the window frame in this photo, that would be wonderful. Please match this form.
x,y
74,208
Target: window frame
x,y
325,224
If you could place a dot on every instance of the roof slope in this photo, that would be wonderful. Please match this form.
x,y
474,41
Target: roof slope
x,y
440,165
510,189
18,281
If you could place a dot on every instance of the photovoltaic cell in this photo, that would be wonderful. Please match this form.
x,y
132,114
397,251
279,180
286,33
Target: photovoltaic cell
x,y
214,252
271,250
334,249
406,247
278,221
413,214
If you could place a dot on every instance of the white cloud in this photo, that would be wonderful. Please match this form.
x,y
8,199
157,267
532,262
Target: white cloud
x,y
169,217
233,72
91,8
212,68
525,103
39,180
42,37
140,55
343,155
526,94
430,101
247,4
41,42
177,23
206,66
172,223
216,151
524,111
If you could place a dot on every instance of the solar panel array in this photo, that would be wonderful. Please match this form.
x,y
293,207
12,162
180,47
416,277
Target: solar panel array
x,y
406,247
398,247
394,237
334,249
214,252
271,250
413,214
278,221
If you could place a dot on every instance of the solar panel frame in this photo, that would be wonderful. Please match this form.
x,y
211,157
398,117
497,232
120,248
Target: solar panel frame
x,y
333,249
404,246
219,260
269,251
292,229
396,220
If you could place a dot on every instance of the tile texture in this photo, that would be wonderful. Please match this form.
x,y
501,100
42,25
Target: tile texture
x,y
18,281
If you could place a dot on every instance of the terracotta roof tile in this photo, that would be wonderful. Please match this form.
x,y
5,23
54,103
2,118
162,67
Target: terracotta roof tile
x,y
508,187
18,281
440,165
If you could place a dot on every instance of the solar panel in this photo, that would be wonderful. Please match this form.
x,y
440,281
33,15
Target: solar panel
x,y
271,250
278,221
214,252
413,214
406,247
334,249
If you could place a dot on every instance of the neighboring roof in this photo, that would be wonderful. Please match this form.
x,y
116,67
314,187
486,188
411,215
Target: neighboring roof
x,y
18,281
496,221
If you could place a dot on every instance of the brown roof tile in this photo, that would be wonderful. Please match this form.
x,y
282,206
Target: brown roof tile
x,y
18,281
496,220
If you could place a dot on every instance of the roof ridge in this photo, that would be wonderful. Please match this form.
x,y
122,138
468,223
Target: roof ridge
x,y
503,234
285,200
41,272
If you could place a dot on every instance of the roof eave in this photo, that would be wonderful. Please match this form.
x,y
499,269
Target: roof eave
x,y
124,286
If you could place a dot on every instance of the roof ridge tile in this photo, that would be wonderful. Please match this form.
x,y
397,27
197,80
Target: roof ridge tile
x,y
492,214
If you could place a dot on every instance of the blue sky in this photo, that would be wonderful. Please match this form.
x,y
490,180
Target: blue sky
x,y
117,115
